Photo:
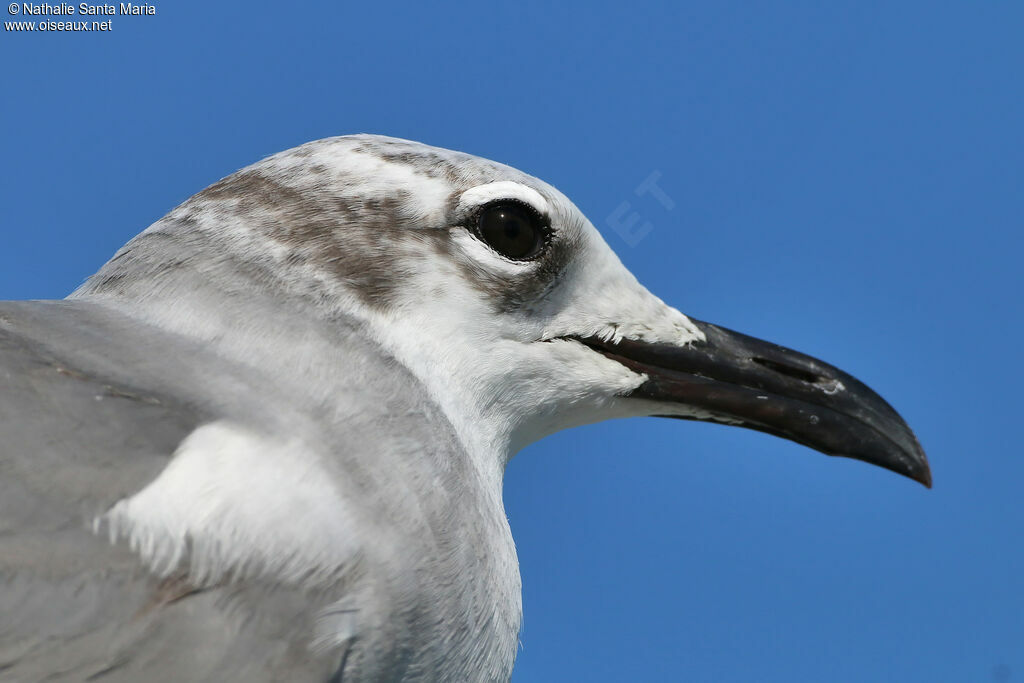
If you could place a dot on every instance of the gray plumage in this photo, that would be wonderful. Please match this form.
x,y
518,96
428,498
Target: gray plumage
x,y
91,415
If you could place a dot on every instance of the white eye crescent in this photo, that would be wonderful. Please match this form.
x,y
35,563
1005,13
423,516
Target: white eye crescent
x,y
503,189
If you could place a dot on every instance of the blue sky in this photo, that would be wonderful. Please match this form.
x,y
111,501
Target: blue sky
x,y
845,179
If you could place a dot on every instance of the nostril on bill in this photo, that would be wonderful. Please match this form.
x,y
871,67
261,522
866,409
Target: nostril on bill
x,y
791,371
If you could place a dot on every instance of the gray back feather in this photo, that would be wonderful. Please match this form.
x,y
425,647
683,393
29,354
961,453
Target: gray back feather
x,y
84,422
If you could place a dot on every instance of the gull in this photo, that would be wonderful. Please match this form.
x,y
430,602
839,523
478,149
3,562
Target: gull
x,y
266,440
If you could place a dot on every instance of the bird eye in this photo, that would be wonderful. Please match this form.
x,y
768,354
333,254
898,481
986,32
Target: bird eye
x,y
513,230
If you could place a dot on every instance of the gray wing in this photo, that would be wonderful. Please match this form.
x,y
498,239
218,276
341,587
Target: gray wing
x,y
77,433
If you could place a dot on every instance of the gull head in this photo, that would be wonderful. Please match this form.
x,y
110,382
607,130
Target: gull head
x,y
500,296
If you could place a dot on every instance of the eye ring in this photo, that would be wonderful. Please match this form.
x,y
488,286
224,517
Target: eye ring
x,y
512,228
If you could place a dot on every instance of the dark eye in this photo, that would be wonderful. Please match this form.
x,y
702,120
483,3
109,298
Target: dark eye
x,y
511,229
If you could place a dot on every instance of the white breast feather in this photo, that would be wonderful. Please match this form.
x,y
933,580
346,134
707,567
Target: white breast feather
x,y
233,502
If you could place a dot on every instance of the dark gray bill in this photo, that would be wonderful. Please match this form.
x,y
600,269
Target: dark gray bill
x,y
740,380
